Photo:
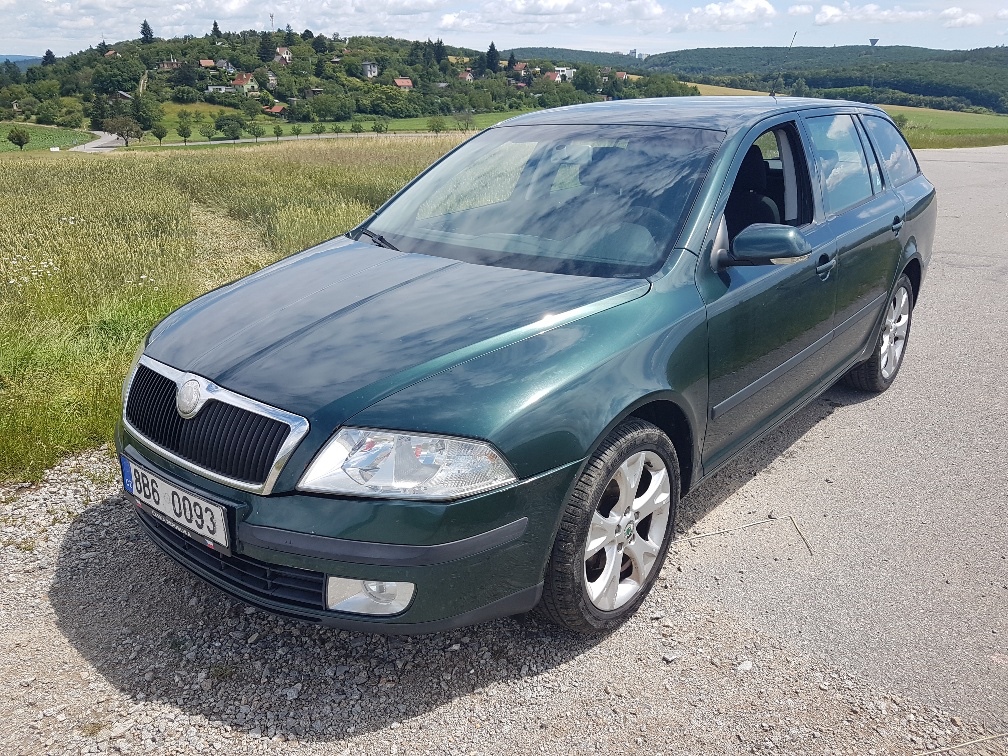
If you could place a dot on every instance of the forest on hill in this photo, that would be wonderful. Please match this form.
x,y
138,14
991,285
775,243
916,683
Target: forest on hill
x,y
897,75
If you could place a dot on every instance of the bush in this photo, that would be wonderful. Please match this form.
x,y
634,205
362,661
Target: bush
x,y
185,95
437,124
357,127
380,125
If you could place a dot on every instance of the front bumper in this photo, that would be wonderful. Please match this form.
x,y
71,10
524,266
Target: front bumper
x,y
471,560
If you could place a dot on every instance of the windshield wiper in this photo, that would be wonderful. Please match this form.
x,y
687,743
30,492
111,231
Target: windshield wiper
x,y
378,239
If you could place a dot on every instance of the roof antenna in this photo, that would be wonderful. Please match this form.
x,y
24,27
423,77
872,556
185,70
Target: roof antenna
x,y
773,92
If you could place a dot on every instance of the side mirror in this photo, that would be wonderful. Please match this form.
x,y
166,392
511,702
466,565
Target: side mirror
x,y
767,244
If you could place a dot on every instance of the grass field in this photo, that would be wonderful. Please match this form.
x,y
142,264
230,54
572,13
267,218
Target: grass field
x,y
94,250
43,137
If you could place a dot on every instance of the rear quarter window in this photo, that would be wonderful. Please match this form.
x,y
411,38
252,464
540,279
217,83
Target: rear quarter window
x,y
894,152
841,161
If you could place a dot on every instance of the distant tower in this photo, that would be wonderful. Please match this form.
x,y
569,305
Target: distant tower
x,y
873,41
271,22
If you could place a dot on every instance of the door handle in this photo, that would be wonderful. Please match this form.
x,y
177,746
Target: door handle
x,y
825,266
897,224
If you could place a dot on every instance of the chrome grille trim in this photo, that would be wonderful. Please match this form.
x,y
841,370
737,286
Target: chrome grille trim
x,y
209,390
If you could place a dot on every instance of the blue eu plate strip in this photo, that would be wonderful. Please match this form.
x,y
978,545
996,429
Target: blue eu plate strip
x,y
127,473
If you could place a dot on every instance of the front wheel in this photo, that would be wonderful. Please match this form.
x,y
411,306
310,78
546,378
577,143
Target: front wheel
x,y
877,373
615,532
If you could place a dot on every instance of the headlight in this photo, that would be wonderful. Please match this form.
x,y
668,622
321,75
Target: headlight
x,y
364,462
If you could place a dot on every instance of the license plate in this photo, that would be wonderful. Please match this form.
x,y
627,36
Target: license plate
x,y
197,518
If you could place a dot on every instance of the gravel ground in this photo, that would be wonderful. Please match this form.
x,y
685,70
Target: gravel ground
x,y
877,628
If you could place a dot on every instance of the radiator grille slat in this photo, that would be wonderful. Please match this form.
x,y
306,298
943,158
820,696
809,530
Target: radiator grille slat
x,y
222,438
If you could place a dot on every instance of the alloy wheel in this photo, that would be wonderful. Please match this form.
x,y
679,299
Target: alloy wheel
x,y
627,531
894,333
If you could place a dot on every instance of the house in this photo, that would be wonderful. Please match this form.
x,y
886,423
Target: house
x,y
442,85
552,76
566,73
370,69
169,65
277,111
271,79
310,92
520,67
122,96
620,76
15,107
284,54
403,83
335,60
246,84
466,75
208,64
224,65
112,54
220,89
519,84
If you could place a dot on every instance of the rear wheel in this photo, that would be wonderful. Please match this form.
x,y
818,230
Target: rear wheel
x,y
878,372
615,532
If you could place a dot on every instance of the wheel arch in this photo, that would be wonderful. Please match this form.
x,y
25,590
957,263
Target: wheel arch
x,y
912,269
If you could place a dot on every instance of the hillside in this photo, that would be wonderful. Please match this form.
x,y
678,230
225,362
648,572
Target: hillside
x,y
560,55
21,61
914,76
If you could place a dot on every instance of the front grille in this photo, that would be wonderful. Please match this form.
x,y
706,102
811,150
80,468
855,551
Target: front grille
x,y
296,588
224,439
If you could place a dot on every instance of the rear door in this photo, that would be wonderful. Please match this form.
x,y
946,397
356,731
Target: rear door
x,y
865,215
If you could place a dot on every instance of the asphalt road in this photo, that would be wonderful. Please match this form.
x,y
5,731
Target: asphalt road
x,y
902,497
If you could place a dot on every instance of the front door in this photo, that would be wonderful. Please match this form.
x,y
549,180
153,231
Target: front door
x,y
768,326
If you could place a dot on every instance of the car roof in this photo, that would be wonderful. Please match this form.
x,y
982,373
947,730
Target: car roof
x,y
718,113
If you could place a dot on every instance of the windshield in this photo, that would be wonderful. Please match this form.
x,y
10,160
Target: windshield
x,y
581,200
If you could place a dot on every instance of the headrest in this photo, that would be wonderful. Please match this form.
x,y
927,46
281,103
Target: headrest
x,y
752,172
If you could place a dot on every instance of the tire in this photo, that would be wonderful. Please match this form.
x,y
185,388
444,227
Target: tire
x,y
635,470
878,372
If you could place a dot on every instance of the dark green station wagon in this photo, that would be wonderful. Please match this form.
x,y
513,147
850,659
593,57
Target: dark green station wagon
x,y
491,395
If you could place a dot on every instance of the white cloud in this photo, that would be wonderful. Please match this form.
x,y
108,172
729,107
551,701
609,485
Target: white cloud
x,y
800,10
957,18
871,13
728,16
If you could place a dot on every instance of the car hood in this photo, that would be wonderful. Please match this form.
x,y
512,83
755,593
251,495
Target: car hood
x,y
348,318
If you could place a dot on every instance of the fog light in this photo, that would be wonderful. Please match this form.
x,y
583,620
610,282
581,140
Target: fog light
x,y
367,596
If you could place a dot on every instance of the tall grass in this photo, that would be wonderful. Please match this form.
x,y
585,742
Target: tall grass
x,y
94,250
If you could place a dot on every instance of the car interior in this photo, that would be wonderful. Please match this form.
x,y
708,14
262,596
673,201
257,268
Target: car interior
x,y
772,184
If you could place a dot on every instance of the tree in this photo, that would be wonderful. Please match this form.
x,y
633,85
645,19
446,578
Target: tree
x,y
159,132
124,127
356,127
296,129
146,33
437,124
511,62
278,131
336,128
320,44
184,130
49,58
464,120
232,130
208,130
492,59
257,130
267,50
216,32
587,78
380,125
290,38
439,51
318,127
19,136
307,34
146,110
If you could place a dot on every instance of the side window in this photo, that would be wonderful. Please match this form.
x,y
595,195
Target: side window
x,y
873,164
841,161
772,184
893,150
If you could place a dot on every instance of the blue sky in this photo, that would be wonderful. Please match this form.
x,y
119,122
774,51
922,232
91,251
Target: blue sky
x,y
30,26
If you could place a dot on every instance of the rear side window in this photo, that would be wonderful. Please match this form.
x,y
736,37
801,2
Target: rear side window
x,y
841,161
893,150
